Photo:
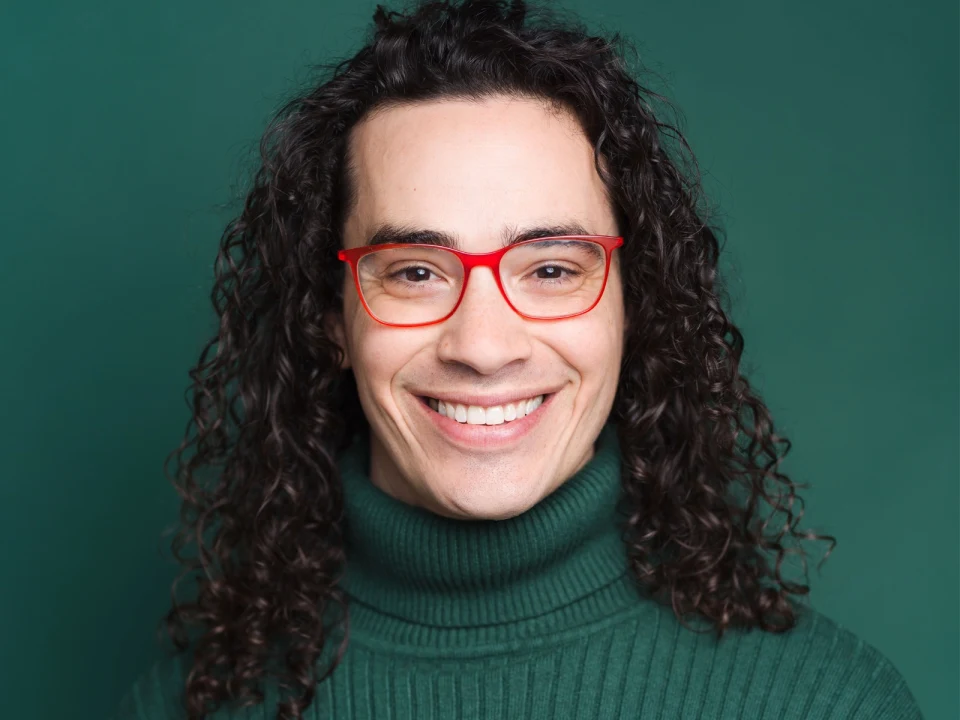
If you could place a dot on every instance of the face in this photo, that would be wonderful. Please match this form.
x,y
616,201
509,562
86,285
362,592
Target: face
x,y
481,172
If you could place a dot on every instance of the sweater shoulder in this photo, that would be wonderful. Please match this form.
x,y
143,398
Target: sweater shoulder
x,y
156,694
828,670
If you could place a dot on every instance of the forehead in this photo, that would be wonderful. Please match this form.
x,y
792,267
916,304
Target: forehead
x,y
473,168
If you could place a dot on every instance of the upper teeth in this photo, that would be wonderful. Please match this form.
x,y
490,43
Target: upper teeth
x,y
496,415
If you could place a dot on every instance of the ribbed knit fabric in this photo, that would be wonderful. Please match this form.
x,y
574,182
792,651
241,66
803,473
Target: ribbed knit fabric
x,y
539,617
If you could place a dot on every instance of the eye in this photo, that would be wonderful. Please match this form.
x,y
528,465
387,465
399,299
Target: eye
x,y
415,274
549,272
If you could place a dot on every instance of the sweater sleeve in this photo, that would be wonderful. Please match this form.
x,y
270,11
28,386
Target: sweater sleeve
x,y
838,675
155,695
887,696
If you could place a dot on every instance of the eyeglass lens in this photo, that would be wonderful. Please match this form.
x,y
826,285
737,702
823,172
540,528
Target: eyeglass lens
x,y
544,279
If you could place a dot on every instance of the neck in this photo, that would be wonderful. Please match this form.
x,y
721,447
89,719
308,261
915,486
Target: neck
x,y
564,556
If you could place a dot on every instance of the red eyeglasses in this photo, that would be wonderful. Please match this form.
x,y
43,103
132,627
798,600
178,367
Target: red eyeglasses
x,y
552,278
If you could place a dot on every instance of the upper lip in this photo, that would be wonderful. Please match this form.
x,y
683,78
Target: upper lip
x,y
503,398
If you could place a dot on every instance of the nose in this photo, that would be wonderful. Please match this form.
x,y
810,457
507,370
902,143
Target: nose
x,y
484,333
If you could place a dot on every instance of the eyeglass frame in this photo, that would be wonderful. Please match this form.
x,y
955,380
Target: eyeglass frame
x,y
469,261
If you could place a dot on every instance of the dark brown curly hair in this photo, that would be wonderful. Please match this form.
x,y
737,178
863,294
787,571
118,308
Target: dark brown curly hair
x,y
712,519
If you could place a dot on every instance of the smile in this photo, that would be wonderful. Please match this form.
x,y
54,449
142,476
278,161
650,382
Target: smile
x,y
479,415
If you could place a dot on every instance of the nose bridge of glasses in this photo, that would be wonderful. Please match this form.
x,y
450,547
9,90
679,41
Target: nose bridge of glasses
x,y
481,277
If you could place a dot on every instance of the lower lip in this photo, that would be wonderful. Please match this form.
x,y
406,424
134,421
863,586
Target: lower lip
x,y
486,437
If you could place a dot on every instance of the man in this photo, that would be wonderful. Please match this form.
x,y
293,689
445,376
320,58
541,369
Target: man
x,y
485,448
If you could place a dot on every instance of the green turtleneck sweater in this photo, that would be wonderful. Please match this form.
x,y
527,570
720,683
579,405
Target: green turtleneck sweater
x,y
538,617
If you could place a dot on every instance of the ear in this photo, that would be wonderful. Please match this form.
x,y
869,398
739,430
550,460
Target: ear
x,y
333,322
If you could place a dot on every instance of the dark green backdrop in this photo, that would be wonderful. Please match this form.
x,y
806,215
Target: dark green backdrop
x,y
829,135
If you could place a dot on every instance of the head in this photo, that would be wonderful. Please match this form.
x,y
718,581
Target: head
x,y
482,172
472,125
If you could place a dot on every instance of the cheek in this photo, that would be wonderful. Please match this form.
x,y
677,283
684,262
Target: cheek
x,y
375,357
380,354
592,346
596,344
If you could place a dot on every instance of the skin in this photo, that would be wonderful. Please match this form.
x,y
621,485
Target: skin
x,y
479,170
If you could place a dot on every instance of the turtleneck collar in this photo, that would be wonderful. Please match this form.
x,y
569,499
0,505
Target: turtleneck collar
x,y
563,558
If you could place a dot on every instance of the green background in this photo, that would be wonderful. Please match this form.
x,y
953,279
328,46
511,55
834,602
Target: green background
x,y
828,133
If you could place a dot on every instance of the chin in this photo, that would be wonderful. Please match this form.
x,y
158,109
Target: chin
x,y
490,500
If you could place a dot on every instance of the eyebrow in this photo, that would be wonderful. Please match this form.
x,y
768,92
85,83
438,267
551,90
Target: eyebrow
x,y
389,233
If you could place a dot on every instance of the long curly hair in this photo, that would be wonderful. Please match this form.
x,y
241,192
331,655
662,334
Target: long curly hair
x,y
712,519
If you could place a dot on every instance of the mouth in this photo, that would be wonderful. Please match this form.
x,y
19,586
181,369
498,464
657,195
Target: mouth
x,y
485,415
